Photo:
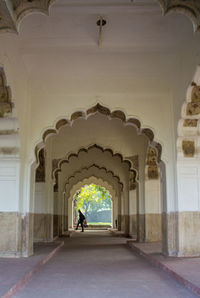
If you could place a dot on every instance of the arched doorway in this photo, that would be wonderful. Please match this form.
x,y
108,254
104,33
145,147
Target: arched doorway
x,y
125,166
96,204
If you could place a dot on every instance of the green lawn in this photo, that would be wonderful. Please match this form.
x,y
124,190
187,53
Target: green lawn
x,y
100,223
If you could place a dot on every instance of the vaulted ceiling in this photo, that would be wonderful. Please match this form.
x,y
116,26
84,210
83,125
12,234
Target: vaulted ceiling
x,y
13,11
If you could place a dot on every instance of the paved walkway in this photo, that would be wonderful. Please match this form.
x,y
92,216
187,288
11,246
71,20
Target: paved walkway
x,y
96,265
187,270
12,270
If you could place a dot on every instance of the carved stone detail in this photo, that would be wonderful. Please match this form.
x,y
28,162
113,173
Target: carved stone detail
x,y
151,161
196,93
148,133
132,180
153,172
5,95
61,123
159,151
151,156
188,148
40,172
99,108
118,114
7,24
193,108
190,122
77,115
135,161
12,12
134,121
190,8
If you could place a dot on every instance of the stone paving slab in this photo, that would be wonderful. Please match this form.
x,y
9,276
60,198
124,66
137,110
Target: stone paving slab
x,y
96,265
14,272
184,270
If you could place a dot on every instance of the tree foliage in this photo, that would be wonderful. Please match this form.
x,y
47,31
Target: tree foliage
x,y
92,198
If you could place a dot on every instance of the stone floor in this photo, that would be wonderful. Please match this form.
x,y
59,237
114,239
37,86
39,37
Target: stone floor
x,y
96,264
12,270
187,268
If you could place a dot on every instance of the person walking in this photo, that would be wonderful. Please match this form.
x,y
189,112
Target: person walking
x,y
80,220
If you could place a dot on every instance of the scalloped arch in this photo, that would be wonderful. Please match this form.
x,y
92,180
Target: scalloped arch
x,y
95,180
98,108
97,167
67,160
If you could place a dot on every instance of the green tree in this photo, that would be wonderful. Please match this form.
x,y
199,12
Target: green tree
x,y
92,198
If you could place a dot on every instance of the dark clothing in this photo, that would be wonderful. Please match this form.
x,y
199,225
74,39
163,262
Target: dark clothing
x,y
80,221
82,225
81,216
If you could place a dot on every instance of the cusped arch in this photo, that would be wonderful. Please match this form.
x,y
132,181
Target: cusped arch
x,y
87,150
98,108
92,172
94,166
88,181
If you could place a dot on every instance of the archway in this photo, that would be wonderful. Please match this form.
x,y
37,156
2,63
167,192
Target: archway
x,y
65,167
96,204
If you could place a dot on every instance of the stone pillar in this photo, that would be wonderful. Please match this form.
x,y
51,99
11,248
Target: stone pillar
x,y
115,211
60,205
119,219
55,215
41,216
133,212
70,215
65,213
49,190
10,216
141,200
153,228
126,209
188,172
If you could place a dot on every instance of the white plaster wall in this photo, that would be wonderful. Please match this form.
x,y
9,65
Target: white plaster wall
x,y
152,196
55,203
40,202
189,185
133,202
9,185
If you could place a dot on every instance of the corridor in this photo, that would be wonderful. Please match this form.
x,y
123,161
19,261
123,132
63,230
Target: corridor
x,y
96,265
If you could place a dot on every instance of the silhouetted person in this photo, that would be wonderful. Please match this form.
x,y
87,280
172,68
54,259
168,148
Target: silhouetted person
x,y
81,220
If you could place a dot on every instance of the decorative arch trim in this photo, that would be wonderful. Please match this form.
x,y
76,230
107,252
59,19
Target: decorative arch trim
x,y
95,180
98,108
97,167
86,150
